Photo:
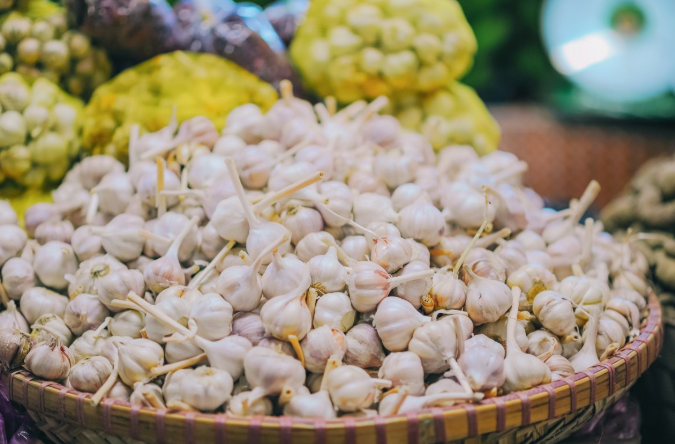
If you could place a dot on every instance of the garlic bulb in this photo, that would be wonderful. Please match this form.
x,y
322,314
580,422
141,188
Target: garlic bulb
x,y
241,286
147,395
37,301
587,356
89,374
17,277
85,312
320,344
53,261
391,252
85,244
213,316
118,285
531,279
8,215
356,247
120,392
497,331
14,346
88,345
482,363
369,207
560,367
423,222
521,370
486,300
272,372
485,264
50,327
396,321
288,315
352,389
554,312
314,244
13,319
246,404
282,275
137,358
328,274
369,284
542,341
203,388
127,323
301,221
121,237
404,369
49,360
334,310
248,325
317,405
513,256
406,194
87,277
12,241
278,345
166,271
340,201
364,348
169,226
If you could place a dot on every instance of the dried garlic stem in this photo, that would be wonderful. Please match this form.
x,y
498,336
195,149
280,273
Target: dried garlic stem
x,y
458,265
158,314
194,284
4,298
293,339
276,196
168,368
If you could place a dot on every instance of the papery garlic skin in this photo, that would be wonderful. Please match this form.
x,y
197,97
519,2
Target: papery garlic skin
x,y
213,316
85,312
53,261
351,388
486,300
356,247
532,279
51,327
89,374
334,310
248,325
120,392
13,319
414,291
203,388
240,405
127,323
396,321
14,346
36,302
320,344
272,371
226,354
317,405
404,369
423,222
88,345
542,341
554,312
137,358
328,274
49,361
89,274
282,275
364,348
17,277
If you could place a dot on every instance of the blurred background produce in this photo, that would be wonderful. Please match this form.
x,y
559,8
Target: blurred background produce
x,y
39,133
35,42
195,84
134,31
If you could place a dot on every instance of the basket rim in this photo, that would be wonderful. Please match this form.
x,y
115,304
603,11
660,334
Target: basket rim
x,y
445,423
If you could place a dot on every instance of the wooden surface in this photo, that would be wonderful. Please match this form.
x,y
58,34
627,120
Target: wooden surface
x,y
564,156
536,407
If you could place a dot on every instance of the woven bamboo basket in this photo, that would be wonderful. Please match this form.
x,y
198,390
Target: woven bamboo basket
x,y
545,414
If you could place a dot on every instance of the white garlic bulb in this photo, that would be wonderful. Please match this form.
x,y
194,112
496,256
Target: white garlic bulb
x,y
486,300
396,321
127,323
314,244
17,277
320,344
12,241
85,244
482,363
542,341
203,388
11,318
120,392
521,370
369,207
248,325
334,310
137,358
88,345
327,273
560,367
288,315
51,327
554,312
213,316
89,374
247,404
272,372
423,222
356,247
301,221
391,252
53,261
497,331
118,285
352,389
282,275
85,312
317,405
531,279
147,395
49,360
37,301
364,348
88,275
404,369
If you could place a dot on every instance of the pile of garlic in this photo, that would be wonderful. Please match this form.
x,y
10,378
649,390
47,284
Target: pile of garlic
x,y
312,263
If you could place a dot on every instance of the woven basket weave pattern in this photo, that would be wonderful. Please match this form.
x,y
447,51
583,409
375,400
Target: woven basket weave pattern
x,y
67,416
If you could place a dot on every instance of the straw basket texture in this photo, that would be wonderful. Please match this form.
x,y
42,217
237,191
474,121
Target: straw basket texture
x,y
545,414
